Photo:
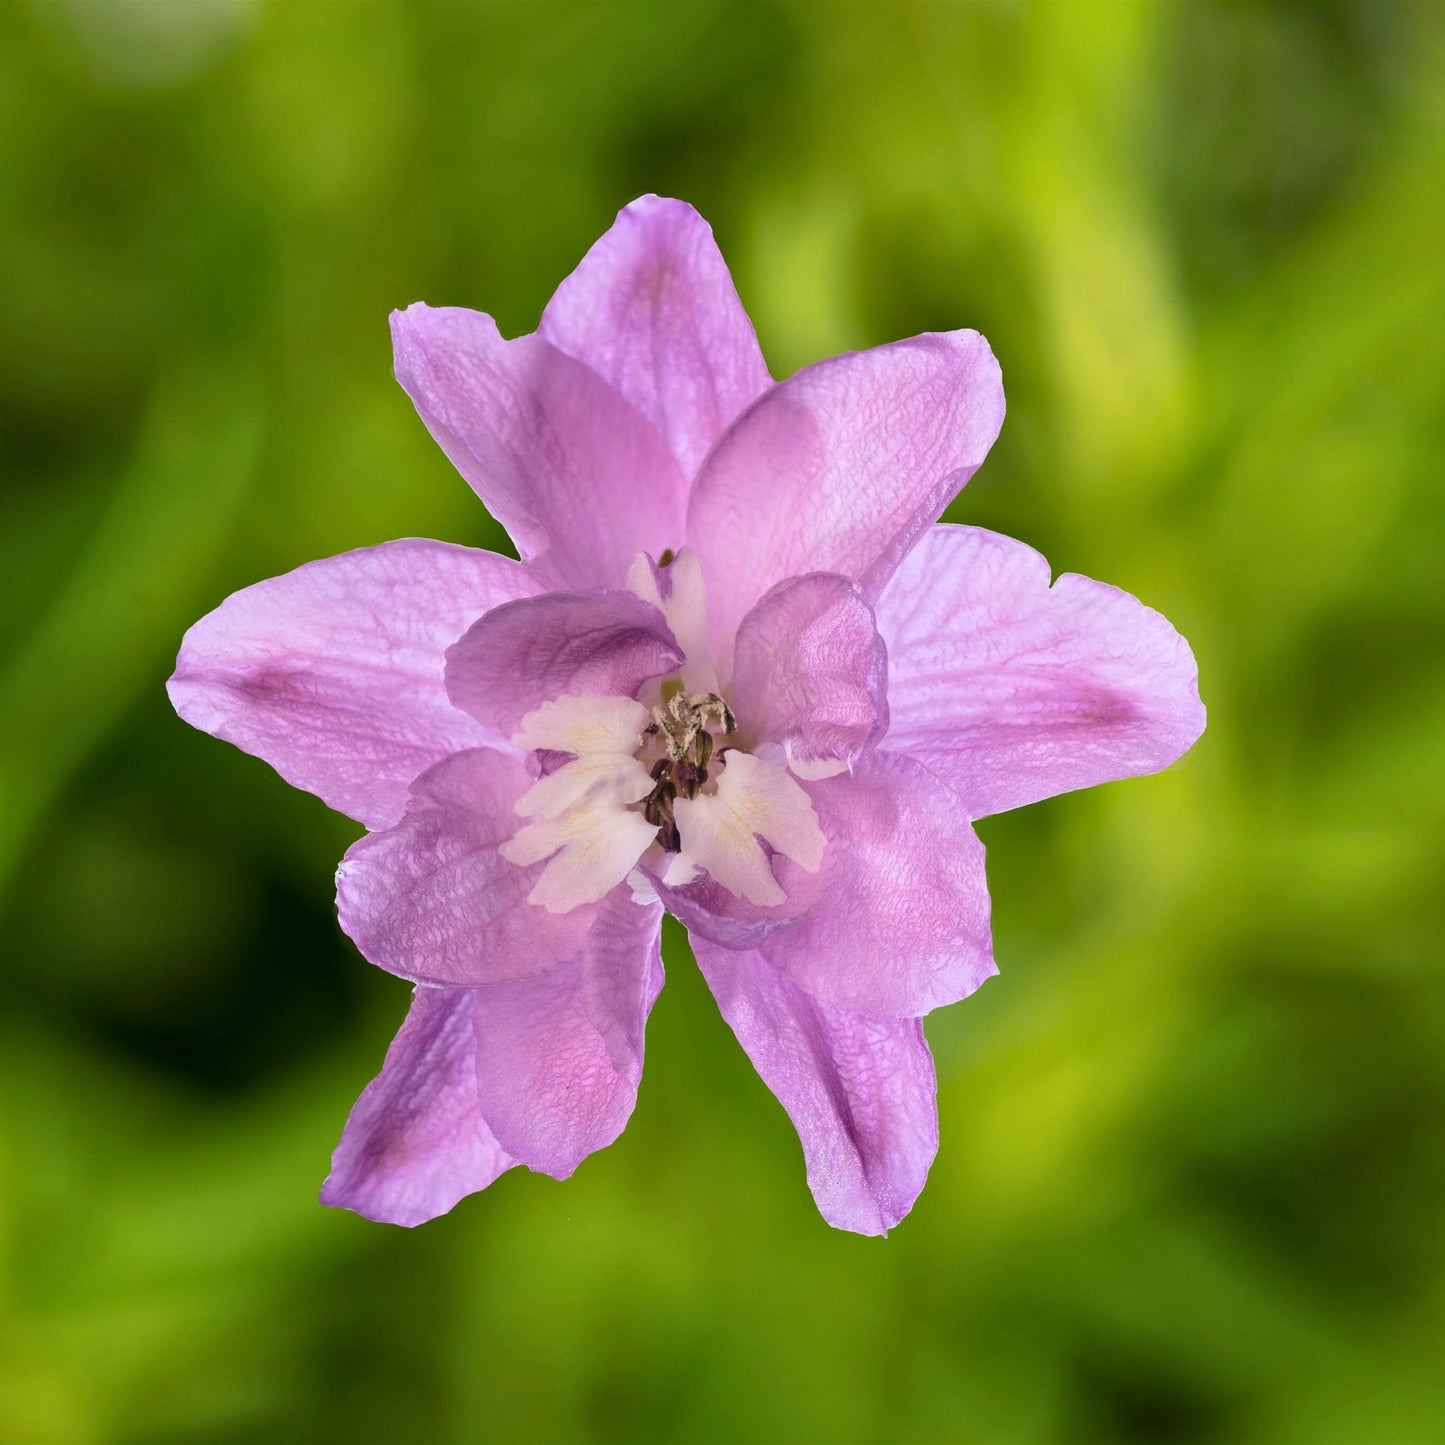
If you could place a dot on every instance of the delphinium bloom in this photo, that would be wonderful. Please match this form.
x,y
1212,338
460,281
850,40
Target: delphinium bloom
x,y
738,673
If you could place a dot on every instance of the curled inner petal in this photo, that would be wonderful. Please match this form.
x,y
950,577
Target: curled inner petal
x,y
677,591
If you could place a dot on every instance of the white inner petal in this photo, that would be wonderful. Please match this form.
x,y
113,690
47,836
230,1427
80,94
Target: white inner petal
x,y
755,798
590,722
593,848
685,609
593,780
580,812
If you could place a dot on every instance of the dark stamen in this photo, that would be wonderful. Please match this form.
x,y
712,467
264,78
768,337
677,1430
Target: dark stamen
x,y
668,557
682,723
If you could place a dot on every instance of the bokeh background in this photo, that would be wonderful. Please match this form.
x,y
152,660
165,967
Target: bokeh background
x,y
1193,1162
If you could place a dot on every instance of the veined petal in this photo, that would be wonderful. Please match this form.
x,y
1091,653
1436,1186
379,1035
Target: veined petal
x,y
811,673
902,925
840,469
434,899
566,643
416,1142
860,1091
755,799
581,480
559,1058
653,311
333,673
1012,690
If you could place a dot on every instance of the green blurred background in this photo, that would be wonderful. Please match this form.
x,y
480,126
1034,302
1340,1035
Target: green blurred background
x,y
1193,1163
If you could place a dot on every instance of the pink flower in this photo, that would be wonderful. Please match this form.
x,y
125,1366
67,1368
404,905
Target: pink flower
x,y
738,673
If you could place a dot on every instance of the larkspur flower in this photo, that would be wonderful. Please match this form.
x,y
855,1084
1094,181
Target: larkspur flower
x,y
739,672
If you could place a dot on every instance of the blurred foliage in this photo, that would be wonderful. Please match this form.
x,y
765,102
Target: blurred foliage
x,y
1193,1164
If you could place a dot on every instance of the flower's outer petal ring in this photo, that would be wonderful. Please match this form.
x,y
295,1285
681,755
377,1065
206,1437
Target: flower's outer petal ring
x,y
432,900
559,1057
333,673
416,1142
653,311
840,469
811,671
581,480
1012,690
565,643
860,1091
903,924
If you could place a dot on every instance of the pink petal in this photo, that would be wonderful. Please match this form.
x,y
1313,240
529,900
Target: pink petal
x,y
559,1058
580,479
433,901
810,671
1012,690
895,923
841,468
860,1091
416,1143
564,644
333,673
653,311
902,925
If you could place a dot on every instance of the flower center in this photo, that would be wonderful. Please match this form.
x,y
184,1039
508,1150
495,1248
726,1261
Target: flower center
x,y
657,783
680,727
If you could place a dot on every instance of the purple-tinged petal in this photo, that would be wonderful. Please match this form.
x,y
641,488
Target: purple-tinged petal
x,y
708,910
840,469
859,1090
1012,690
416,1142
653,311
559,1058
578,476
903,924
564,644
811,672
433,900
333,672
896,921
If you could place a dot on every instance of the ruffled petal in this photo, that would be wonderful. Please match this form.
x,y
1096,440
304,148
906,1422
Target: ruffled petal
x,y
416,1142
860,1091
653,311
902,923
580,478
840,469
1012,690
433,900
334,673
519,657
559,1058
811,673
